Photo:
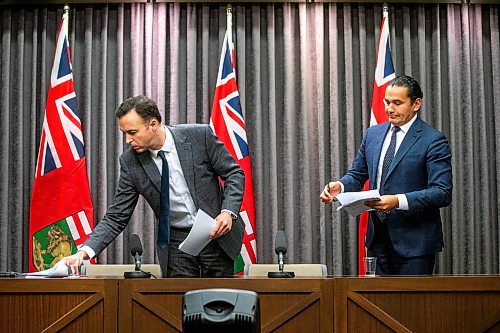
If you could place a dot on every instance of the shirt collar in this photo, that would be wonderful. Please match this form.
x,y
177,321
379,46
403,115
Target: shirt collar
x,y
406,127
168,145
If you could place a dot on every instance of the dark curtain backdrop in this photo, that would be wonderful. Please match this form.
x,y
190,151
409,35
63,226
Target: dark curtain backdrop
x,y
305,75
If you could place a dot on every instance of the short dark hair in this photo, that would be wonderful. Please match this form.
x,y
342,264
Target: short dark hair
x,y
414,90
145,107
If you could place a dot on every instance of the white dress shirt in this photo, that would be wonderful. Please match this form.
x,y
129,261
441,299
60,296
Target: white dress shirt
x,y
403,201
182,208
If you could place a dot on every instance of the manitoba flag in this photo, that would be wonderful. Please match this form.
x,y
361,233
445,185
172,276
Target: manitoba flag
x,y
228,124
384,74
61,213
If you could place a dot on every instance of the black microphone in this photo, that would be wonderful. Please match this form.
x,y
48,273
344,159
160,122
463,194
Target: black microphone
x,y
135,247
280,249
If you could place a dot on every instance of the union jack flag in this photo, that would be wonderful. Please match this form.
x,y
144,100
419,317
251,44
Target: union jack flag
x,y
67,117
384,74
61,212
229,125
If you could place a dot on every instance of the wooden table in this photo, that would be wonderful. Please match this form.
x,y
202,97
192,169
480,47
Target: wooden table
x,y
335,304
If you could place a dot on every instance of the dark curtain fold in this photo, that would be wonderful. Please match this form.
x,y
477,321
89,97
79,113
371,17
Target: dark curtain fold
x,y
305,76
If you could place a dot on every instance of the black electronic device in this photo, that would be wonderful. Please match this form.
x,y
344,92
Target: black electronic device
x,y
220,311
280,249
8,274
135,247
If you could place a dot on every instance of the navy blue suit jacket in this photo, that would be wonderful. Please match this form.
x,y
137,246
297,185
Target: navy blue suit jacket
x,y
421,170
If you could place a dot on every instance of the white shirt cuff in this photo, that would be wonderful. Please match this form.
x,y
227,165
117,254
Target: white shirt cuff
x,y
403,202
341,187
233,215
88,250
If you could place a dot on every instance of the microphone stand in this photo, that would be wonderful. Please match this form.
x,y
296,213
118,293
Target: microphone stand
x,y
281,273
138,273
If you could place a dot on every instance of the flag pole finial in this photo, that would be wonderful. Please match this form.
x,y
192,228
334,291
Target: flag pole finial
x,y
66,9
386,8
229,8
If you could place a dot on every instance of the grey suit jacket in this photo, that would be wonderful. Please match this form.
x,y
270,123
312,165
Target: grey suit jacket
x,y
203,160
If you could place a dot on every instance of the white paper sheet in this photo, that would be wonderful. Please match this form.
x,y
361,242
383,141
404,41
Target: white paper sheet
x,y
354,202
59,270
199,236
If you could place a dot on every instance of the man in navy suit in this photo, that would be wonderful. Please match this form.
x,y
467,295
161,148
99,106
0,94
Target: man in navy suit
x,y
410,163
195,160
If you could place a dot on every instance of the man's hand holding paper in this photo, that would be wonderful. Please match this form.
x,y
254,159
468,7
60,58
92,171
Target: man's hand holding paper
x,y
357,202
385,203
331,190
200,234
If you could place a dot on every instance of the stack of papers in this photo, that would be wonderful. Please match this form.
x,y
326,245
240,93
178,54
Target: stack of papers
x,y
354,202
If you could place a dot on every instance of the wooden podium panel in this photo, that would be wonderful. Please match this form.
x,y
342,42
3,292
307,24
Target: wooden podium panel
x,y
418,304
286,305
58,305
340,304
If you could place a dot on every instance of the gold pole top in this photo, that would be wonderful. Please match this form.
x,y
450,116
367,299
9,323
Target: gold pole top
x,y
66,9
229,8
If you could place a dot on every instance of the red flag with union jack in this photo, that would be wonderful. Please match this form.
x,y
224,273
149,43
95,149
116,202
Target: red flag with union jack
x,y
61,213
384,73
228,124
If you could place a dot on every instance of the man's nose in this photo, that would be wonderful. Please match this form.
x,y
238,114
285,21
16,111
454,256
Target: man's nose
x,y
128,139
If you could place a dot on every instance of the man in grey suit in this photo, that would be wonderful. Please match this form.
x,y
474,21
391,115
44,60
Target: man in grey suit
x,y
194,160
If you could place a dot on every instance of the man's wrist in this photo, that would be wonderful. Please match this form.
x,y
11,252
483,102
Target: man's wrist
x,y
233,215
83,255
402,202
88,253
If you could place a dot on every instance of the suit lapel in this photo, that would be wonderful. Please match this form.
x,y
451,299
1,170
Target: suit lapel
x,y
185,154
150,167
410,139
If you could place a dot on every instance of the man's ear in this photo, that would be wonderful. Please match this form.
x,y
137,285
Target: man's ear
x,y
417,104
153,124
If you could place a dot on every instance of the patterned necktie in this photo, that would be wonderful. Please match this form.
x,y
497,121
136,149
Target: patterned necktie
x,y
164,225
389,156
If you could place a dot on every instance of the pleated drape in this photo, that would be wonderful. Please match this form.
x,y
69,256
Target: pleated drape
x,y
305,75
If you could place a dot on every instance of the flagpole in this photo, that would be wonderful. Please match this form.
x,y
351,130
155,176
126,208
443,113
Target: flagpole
x,y
229,32
229,23
385,13
66,9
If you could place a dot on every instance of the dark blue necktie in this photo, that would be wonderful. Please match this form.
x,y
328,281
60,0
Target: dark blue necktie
x,y
164,225
389,156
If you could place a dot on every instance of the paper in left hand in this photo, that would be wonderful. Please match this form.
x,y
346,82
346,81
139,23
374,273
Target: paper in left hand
x,y
354,202
199,236
59,270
